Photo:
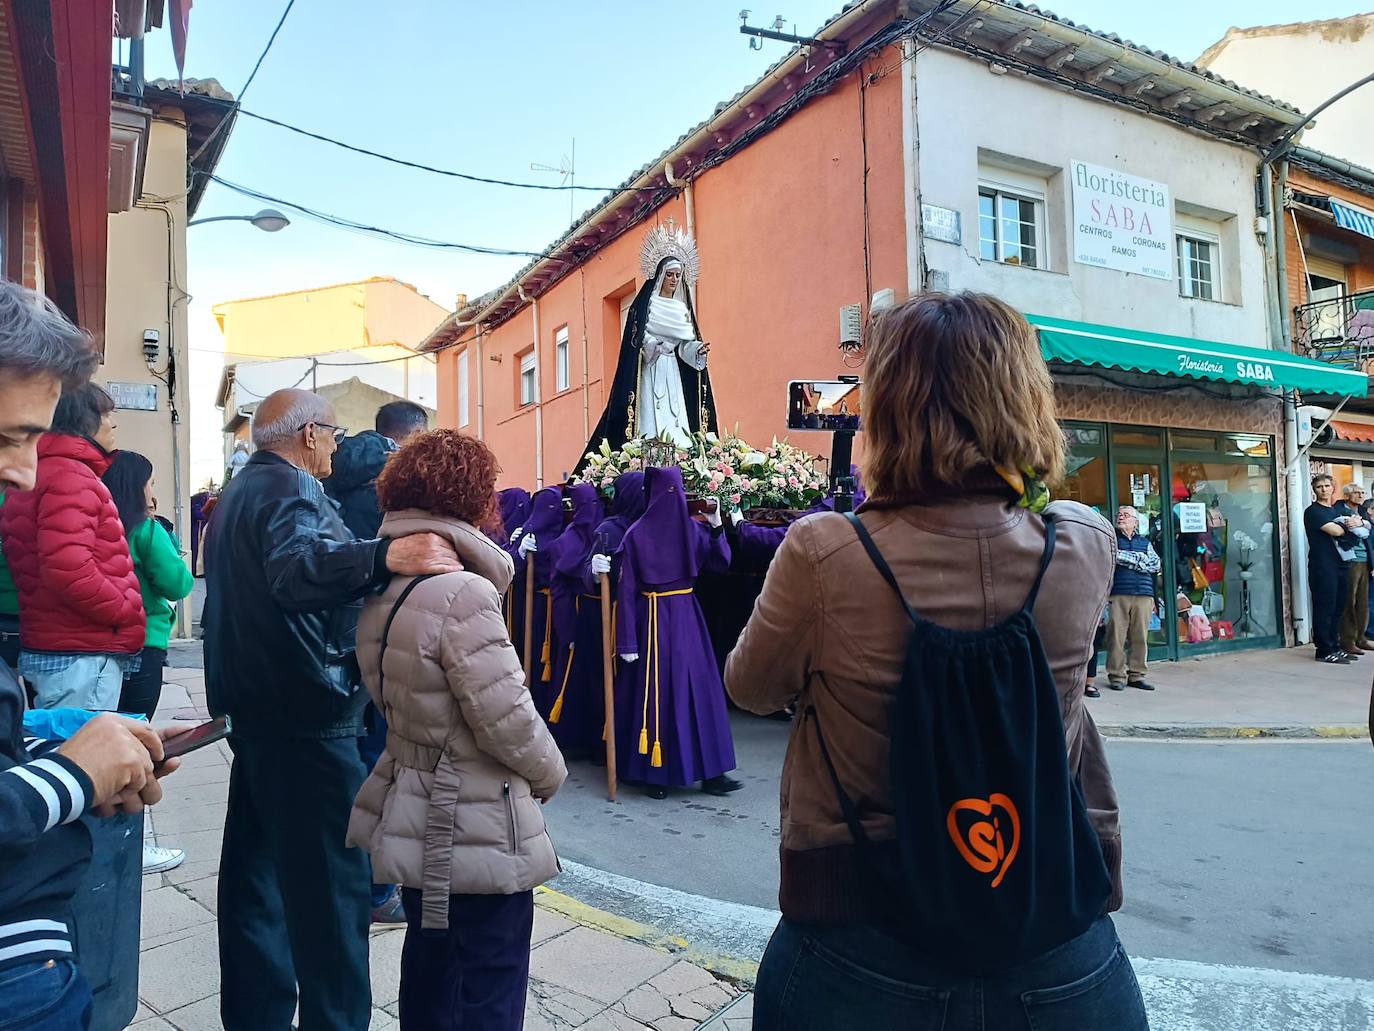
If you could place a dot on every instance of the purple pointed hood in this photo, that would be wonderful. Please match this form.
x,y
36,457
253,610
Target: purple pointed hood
x,y
571,549
661,539
515,507
629,501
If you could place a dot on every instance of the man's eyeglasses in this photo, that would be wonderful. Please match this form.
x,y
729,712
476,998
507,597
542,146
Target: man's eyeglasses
x,y
339,431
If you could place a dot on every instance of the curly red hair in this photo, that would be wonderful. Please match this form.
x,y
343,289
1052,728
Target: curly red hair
x,y
445,473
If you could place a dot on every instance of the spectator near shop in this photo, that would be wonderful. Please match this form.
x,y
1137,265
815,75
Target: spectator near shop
x,y
360,460
1131,604
1328,527
1355,615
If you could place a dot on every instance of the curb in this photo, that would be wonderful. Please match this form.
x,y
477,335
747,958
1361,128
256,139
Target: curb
x,y
1205,732
740,972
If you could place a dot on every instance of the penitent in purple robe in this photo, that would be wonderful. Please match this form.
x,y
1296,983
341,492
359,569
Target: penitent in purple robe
x,y
576,710
678,730
515,509
545,522
756,545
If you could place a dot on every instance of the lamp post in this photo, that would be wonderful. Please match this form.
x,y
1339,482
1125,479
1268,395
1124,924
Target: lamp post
x,y
269,220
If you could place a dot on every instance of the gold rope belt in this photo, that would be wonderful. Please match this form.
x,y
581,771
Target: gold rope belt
x,y
556,713
651,667
546,651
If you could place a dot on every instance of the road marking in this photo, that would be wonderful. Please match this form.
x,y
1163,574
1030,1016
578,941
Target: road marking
x,y
1180,995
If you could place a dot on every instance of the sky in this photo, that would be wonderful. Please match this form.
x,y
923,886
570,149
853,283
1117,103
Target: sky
x,y
488,89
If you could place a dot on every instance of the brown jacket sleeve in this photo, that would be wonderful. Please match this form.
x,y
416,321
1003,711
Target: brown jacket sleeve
x,y
768,667
485,677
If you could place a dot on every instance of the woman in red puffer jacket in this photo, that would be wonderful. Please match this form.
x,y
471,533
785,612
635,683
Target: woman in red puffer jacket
x,y
81,620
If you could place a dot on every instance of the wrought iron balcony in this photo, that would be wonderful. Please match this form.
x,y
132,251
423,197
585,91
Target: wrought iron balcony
x,y
1338,331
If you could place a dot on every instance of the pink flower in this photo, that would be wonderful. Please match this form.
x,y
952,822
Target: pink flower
x,y
792,481
734,499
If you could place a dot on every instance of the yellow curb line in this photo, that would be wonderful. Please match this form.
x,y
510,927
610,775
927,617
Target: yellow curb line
x,y
1182,732
731,968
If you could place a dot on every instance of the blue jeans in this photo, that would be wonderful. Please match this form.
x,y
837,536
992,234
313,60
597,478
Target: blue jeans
x,y
88,682
835,978
371,746
44,995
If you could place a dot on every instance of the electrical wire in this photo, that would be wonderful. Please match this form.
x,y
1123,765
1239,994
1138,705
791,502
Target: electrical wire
x,y
362,227
219,128
419,166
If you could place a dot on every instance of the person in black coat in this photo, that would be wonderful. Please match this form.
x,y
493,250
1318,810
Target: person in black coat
x,y
360,459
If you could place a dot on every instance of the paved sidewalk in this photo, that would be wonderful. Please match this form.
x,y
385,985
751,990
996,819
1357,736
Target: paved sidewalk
x,y
580,977
1275,692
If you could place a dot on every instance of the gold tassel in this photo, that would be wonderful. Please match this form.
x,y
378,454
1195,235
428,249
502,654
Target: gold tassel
x,y
644,741
657,759
557,712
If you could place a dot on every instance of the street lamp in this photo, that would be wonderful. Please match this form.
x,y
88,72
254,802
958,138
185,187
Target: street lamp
x,y
269,220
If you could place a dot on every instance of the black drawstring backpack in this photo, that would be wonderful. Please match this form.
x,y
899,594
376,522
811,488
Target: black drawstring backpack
x,y
999,862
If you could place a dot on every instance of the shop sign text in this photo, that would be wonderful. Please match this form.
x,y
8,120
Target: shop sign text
x,y
1122,222
1250,372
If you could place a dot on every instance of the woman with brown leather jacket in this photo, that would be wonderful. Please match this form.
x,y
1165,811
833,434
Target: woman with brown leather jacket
x,y
889,920
452,811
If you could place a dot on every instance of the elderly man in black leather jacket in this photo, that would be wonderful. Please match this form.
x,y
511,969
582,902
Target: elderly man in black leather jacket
x,y
285,583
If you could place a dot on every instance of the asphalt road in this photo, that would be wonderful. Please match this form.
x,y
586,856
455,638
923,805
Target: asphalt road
x,y
1254,854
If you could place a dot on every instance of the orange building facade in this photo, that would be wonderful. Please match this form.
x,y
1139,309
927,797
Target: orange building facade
x,y
788,233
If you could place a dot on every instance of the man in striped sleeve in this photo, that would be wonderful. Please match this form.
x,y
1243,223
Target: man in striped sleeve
x,y
46,786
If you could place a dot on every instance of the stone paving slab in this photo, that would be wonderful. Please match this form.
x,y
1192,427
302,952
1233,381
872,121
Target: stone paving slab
x,y
582,978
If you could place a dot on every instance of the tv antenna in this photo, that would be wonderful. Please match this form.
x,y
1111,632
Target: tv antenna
x,y
567,169
775,32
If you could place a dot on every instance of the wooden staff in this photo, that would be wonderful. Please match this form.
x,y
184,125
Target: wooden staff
x,y
608,681
529,622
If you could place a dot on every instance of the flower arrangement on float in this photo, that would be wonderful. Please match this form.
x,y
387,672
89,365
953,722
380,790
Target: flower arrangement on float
x,y
723,468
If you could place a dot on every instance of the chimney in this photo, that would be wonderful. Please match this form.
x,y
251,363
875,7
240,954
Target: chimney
x,y
461,302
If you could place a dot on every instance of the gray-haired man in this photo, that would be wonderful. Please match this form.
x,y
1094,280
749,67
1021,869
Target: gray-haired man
x,y
1130,604
285,580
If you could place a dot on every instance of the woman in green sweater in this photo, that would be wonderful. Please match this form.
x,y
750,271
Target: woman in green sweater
x,y
162,574
164,580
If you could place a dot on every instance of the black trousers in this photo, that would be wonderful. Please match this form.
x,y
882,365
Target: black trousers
x,y
9,640
473,976
293,899
142,691
1327,583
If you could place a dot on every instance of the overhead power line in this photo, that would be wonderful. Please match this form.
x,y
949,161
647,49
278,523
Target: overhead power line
x,y
420,166
362,227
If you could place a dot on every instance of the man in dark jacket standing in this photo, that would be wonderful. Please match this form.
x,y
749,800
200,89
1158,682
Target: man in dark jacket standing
x,y
285,581
353,484
360,459
1130,604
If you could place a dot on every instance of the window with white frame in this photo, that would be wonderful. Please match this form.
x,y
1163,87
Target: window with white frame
x,y
527,379
1197,248
463,389
1011,218
562,374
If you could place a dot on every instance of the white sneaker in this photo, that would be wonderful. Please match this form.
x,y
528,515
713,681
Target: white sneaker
x,y
160,860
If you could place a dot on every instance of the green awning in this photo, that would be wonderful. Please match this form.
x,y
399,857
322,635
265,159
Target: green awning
x,y
1112,347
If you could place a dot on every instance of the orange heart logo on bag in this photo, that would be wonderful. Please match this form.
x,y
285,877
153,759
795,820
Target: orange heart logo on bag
x,y
983,843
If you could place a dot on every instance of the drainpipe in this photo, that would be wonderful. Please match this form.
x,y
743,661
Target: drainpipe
x,y
480,370
586,367
1273,192
533,302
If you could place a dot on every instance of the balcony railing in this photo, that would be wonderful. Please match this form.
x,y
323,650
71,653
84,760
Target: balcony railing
x,y
1339,331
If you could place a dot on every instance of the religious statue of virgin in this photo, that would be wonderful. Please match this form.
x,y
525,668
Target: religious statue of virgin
x,y
661,387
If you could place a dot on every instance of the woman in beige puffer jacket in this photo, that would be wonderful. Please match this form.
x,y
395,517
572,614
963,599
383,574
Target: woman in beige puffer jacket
x,y
452,810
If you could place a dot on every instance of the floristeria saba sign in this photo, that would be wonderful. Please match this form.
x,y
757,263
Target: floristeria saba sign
x,y
1122,222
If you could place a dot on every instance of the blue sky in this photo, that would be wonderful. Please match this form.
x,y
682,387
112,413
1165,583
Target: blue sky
x,y
488,88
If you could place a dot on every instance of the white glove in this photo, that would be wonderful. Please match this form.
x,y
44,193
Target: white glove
x,y
736,517
713,517
629,656
515,534
601,564
527,545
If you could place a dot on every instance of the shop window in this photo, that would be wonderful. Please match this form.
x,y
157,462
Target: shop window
x,y
1224,526
527,378
463,389
1199,272
562,375
1130,437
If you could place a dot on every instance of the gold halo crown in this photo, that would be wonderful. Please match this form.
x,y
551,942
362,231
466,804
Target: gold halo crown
x,y
668,240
